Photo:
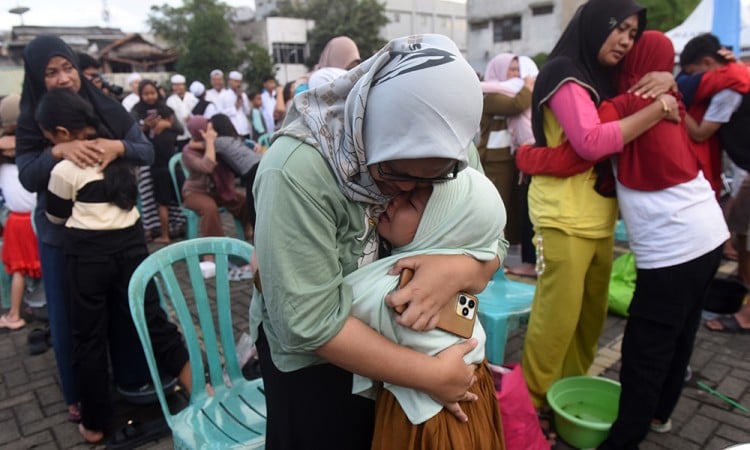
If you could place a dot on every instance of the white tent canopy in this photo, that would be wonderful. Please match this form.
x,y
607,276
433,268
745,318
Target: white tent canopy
x,y
701,20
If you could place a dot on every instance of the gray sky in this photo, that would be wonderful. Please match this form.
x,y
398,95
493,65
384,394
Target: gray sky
x,y
129,15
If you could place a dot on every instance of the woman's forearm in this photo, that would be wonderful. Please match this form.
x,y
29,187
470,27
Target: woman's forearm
x,y
138,149
636,124
360,349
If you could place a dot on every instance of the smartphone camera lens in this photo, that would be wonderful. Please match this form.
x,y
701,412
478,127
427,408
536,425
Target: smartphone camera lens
x,y
462,300
471,303
465,311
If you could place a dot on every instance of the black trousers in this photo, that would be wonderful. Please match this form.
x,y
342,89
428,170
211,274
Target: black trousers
x,y
247,180
664,317
100,315
313,408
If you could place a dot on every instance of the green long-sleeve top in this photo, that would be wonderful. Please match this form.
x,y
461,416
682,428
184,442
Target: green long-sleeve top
x,y
496,108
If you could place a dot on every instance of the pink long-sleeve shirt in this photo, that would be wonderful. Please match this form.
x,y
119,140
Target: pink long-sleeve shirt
x,y
578,117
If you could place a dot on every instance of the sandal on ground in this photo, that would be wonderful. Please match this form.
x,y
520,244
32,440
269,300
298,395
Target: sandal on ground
x,y
240,273
729,324
37,341
134,434
11,325
547,425
657,426
90,436
74,414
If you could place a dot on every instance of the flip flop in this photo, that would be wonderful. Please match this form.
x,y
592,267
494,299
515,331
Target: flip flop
x,y
134,434
240,273
729,324
546,423
15,325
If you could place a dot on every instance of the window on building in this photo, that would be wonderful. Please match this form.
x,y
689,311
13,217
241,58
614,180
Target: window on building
x,y
396,17
478,26
506,29
540,10
285,53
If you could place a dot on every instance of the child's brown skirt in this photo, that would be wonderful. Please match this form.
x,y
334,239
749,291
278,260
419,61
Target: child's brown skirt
x,y
484,431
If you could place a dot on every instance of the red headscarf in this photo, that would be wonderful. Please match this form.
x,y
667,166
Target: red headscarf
x,y
662,156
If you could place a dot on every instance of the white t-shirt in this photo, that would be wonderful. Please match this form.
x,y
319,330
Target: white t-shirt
x,y
212,95
17,199
227,104
674,225
182,108
130,101
723,104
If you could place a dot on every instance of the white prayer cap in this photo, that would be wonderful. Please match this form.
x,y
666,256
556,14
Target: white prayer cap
x,y
234,75
216,72
133,77
197,88
177,79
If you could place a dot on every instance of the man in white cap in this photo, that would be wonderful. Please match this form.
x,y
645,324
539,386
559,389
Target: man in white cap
x,y
202,108
131,99
217,86
182,103
234,103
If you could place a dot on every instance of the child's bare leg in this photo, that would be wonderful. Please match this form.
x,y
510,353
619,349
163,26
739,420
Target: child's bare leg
x,y
185,378
164,223
12,319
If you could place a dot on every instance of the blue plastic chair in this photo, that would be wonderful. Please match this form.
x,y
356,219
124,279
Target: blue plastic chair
x,y
192,220
503,306
235,416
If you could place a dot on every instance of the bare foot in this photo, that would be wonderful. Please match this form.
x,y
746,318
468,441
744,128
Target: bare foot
x,y
90,436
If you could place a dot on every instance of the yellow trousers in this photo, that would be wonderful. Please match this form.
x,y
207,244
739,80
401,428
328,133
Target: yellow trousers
x,y
569,309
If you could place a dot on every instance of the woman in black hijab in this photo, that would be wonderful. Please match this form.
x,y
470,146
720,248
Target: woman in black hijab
x,y
49,63
574,217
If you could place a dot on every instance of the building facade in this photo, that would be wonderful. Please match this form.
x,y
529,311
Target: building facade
x,y
407,17
522,27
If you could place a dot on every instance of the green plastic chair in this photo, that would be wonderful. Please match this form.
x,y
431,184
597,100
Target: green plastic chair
x,y
192,219
235,416
265,139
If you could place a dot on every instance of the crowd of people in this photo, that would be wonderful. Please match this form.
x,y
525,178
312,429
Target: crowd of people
x,y
379,171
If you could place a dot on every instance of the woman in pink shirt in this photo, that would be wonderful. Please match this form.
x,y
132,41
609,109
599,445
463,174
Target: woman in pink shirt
x,y
574,216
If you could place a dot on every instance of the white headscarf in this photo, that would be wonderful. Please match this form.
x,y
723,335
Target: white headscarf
x,y
417,98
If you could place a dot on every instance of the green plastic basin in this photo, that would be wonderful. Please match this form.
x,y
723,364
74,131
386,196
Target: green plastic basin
x,y
585,408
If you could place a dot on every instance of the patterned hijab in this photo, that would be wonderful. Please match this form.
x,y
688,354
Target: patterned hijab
x,y
416,98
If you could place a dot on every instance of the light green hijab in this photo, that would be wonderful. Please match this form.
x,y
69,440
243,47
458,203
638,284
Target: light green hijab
x,y
463,216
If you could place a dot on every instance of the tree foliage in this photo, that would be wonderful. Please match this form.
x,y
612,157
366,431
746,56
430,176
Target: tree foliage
x,y
361,20
259,64
663,15
200,31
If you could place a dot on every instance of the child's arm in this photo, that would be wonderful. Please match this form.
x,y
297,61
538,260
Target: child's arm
x,y
60,195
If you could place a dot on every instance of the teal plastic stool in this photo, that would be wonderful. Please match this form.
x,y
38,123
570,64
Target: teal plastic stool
x,y
503,306
235,416
621,233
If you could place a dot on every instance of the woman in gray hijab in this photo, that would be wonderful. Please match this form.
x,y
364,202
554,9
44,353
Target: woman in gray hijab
x,y
384,128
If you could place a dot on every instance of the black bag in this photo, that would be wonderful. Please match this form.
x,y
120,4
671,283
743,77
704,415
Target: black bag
x,y
735,135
